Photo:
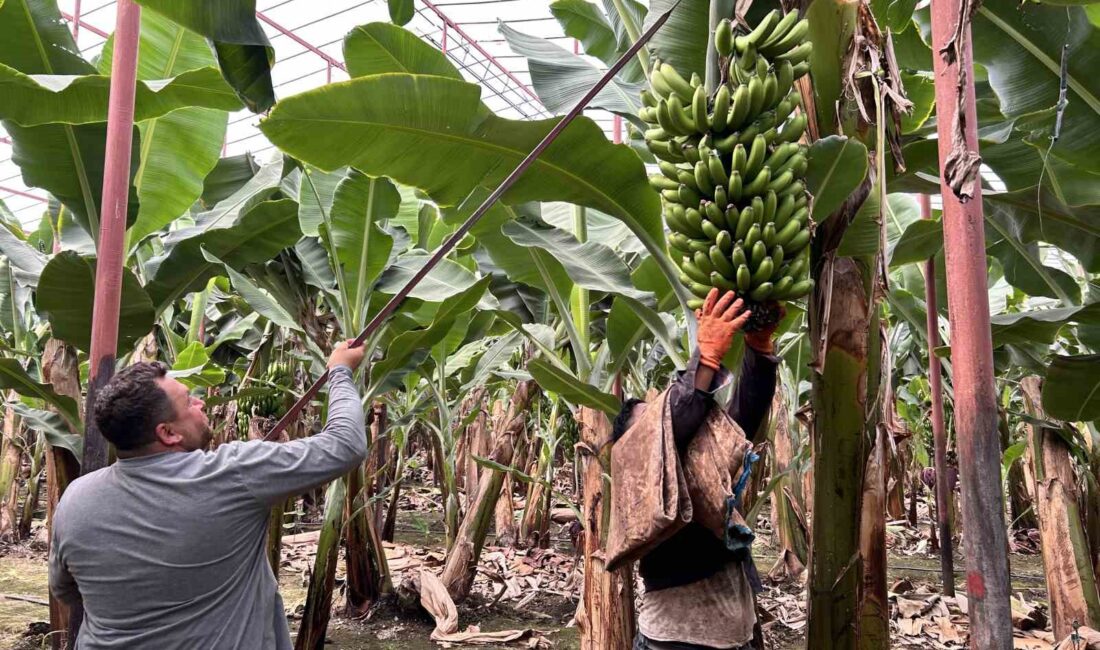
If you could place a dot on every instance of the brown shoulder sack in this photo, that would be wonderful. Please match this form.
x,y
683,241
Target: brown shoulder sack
x,y
649,495
655,492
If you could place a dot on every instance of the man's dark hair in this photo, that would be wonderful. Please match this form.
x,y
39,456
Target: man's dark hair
x,y
622,420
131,405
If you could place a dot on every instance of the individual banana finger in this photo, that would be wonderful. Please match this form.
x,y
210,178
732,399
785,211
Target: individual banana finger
x,y
735,188
798,54
792,131
660,182
719,117
755,159
720,198
718,280
739,109
677,83
725,242
757,254
745,222
717,171
763,272
723,37
699,110
679,116
762,292
721,262
702,178
687,265
744,278
759,184
756,95
798,242
799,289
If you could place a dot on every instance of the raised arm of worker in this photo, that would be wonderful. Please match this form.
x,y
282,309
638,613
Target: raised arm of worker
x,y
272,471
720,318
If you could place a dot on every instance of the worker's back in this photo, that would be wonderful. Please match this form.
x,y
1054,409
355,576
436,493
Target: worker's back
x,y
168,551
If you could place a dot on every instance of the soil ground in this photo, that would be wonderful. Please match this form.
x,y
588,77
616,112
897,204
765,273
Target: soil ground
x,y
911,570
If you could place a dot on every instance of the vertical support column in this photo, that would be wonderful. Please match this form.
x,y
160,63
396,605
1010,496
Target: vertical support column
x,y
987,583
939,434
109,243
328,73
617,129
76,22
444,47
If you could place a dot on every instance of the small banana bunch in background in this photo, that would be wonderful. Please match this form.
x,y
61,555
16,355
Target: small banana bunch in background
x,y
271,404
732,166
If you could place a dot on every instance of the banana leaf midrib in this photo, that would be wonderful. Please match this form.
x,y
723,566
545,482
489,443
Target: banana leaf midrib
x,y
1091,100
477,144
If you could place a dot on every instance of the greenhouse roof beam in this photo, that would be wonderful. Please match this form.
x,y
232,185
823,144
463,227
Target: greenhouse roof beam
x,y
301,41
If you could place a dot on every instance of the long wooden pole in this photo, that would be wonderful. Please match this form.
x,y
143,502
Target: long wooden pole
x,y
987,582
939,434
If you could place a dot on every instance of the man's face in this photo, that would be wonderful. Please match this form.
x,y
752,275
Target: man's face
x,y
190,430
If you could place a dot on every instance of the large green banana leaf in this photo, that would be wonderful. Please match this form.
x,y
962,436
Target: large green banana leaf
x,y
414,346
257,236
244,53
228,175
401,11
1040,325
583,21
554,378
180,149
682,41
65,296
362,248
315,194
14,377
627,325
228,212
378,48
26,262
445,281
589,264
561,78
838,165
32,100
412,128
64,160
56,429
1071,391
1020,45
257,297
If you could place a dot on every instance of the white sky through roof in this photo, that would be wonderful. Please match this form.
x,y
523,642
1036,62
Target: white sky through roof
x,y
323,23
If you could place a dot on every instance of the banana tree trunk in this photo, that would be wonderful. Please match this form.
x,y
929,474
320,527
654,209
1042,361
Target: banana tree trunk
x,y
874,609
505,518
606,612
61,370
789,522
460,566
34,484
1071,579
367,571
844,318
987,580
11,456
311,633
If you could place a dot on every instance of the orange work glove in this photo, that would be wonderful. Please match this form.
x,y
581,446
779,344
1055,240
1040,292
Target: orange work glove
x,y
761,339
719,320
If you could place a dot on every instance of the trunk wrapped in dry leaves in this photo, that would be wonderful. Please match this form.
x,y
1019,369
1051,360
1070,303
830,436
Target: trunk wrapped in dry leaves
x,y
874,609
505,515
34,482
605,615
315,618
787,517
11,455
460,566
1071,580
61,370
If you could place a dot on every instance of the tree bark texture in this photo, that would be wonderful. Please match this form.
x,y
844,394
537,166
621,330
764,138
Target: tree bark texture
x,y
11,454
606,612
460,567
1071,580
874,608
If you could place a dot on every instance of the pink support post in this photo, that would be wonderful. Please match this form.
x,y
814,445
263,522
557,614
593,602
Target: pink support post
x,y
617,129
939,433
976,416
112,227
328,73
301,41
444,48
76,21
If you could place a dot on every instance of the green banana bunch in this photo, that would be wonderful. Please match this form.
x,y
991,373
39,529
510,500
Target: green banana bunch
x,y
732,164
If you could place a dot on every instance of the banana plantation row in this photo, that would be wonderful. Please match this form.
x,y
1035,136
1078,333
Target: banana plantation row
x,y
907,195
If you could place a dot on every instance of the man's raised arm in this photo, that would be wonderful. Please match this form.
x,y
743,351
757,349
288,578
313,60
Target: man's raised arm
x,y
272,471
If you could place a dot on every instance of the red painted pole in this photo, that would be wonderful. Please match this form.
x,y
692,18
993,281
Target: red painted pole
x,y
939,434
977,439
617,127
76,20
112,228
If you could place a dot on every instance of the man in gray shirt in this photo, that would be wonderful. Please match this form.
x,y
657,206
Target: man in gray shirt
x,y
166,547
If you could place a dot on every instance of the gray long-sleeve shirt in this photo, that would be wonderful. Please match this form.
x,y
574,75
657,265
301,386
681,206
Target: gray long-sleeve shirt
x,y
167,551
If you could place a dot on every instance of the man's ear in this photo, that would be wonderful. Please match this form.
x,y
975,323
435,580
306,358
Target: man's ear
x,y
166,436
